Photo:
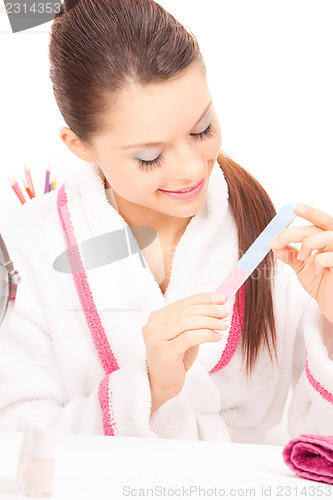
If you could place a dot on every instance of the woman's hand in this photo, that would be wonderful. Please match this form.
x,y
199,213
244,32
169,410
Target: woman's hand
x,y
314,270
172,336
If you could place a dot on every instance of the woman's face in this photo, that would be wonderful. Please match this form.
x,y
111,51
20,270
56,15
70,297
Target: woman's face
x,y
164,136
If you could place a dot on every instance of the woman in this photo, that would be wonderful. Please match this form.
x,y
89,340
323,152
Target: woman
x,y
106,343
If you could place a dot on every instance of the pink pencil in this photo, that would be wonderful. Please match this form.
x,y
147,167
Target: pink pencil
x,y
16,189
29,180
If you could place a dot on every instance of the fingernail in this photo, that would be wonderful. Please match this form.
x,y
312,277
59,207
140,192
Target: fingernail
x,y
223,309
300,207
217,335
274,240
219,297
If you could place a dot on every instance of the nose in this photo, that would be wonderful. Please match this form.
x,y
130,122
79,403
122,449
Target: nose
x,y
187,165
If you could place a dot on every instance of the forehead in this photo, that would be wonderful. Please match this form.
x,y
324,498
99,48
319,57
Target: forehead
x,y
161,107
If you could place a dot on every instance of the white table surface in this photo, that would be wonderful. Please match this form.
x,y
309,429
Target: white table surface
x,y
114,468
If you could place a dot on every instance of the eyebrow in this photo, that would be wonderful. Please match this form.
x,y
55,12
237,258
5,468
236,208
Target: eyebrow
x,y
150,144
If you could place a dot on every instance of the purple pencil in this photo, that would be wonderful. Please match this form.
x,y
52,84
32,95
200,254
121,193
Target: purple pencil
x,y
47,181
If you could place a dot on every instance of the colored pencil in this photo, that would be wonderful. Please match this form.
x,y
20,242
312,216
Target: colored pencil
x,y
16,189
54,184
29,179
28,190
47,181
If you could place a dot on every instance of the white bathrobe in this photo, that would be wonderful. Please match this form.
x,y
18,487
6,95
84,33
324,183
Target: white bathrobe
x,y
73,351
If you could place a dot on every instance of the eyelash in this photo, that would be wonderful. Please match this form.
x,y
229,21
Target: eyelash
x,y
149,165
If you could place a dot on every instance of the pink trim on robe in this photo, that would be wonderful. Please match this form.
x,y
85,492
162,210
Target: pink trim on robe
x,y
104,396
315,384
93,319
234,334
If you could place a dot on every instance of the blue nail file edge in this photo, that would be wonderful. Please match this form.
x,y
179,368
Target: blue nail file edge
x,y
260,248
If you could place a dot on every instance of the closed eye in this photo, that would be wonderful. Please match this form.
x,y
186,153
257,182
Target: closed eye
x,y
150,164
206,133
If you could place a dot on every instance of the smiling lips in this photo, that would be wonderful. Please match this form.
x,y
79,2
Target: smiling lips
x,y
185,195
184,190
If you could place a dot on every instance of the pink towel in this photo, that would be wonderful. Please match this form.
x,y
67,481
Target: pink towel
x,y
311,456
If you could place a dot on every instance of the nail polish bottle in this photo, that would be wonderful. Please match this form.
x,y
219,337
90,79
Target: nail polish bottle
x,y
39,470
29,424
24,453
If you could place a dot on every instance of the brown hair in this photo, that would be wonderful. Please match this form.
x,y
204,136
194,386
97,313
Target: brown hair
x,y
97,49
252,210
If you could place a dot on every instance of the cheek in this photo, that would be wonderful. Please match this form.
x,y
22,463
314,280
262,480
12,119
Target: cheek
x,y
212,147
135,184
121,179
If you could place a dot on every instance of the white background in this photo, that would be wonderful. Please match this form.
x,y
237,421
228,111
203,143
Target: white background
x,y
270,74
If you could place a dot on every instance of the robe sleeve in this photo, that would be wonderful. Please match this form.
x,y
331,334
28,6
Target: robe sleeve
x,y
311,407
30,383
193,414
125,398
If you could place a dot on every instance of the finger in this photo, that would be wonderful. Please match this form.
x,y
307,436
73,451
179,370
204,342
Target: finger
x,y
203,298
288,255
192,338
314,215
323,261
293,234
198,299
215,311
169,323
192,317
183,303
320,241
190,323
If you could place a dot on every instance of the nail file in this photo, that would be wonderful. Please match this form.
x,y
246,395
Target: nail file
x,y
256,253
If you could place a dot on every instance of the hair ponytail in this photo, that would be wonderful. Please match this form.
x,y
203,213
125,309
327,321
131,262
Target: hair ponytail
x,y
252,210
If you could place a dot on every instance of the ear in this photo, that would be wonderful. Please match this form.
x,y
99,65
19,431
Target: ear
x,y
75,145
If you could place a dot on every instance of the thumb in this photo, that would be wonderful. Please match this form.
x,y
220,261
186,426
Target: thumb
x,y
288,255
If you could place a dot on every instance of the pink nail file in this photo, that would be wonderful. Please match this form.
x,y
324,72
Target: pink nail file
x,y
256,253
